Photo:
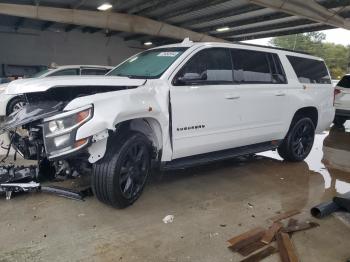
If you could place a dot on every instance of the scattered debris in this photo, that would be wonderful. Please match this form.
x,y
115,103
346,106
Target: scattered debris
x,y
284,215
286,248
339,203
223,225
261,255
271,232
300,227
168,219
256,244
246,238
250,205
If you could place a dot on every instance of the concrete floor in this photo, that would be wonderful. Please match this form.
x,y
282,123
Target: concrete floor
x,y
210,205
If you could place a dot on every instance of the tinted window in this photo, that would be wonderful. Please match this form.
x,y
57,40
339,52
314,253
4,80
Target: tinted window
x,y
66,72
278,75
310,70
251,67
209,66
93,71
344,82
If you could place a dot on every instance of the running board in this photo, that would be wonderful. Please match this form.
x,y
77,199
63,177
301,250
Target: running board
x,y
203,159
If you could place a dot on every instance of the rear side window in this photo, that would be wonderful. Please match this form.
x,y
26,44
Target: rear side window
x,y
344,82
310,70
207,67
66,72
94,71
251,67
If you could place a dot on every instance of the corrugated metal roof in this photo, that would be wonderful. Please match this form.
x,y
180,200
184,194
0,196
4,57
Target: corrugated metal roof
x,y
244,19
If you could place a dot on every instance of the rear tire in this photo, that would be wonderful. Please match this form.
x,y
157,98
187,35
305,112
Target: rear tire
x,y
119,178
339,121
298,143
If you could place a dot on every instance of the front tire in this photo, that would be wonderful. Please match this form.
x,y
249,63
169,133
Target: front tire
x,y
299,141
119,178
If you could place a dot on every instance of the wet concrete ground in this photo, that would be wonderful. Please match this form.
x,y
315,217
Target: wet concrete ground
x,y
210,205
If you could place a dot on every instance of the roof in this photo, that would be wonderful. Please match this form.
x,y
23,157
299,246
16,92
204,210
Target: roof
x,y
243,46
238,19
78,66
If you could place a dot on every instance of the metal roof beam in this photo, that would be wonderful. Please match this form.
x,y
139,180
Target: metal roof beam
x,y
306,9
193,7
259,29
329,4
253,20
288,31
232,12
105,20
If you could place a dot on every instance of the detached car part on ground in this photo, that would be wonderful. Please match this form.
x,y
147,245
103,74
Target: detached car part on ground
x,y
171,107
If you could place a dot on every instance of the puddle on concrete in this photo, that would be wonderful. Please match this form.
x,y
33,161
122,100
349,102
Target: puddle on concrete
x,y
330,157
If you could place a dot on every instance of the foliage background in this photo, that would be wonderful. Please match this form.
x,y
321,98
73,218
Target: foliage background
x,y
337,57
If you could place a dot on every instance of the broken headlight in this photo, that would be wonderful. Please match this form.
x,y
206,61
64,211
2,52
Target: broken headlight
x,y
60,131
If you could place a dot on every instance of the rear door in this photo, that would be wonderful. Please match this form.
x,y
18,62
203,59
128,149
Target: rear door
x,y
264,98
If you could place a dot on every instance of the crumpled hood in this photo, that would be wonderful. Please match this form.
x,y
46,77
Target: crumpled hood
x,y
32,85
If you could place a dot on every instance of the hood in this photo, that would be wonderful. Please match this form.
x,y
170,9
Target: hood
x,y
34,85
3,87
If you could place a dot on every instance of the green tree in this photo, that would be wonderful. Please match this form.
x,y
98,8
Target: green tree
x,y
337,57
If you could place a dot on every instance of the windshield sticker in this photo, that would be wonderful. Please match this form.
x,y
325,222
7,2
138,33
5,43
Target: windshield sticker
x,y
168,54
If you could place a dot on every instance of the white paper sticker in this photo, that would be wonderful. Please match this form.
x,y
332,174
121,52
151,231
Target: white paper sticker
x,y
169,54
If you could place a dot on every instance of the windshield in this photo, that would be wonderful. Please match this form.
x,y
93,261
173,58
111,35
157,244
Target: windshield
x,y
344,82
148,64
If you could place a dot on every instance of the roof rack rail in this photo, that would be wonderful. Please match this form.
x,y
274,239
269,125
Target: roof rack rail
x,y
272,47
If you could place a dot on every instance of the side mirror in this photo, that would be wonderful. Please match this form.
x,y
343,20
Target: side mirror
x,y
189,78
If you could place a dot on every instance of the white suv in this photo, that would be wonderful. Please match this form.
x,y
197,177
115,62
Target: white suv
x,y
342,101
173,106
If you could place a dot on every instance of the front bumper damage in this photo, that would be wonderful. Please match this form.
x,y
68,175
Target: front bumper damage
x,y
26,137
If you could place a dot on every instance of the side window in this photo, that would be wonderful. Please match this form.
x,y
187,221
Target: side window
x,y
207,67
94,71
251,67
66,72
278,74
310,70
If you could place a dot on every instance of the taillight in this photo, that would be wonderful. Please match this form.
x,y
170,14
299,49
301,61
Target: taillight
x,y
336,92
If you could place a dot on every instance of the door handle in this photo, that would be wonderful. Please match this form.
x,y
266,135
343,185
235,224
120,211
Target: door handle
x,y
232,96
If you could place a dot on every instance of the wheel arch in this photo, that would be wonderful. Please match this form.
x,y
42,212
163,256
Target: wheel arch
x,y
148,126
309,111
8,104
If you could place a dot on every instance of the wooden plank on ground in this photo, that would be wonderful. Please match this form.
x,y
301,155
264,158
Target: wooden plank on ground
x,y
251,248
300,227
292,222
284,215
271,232
286,248
260,255
246,238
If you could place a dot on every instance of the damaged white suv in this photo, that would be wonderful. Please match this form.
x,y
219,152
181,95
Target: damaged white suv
x,y
173,107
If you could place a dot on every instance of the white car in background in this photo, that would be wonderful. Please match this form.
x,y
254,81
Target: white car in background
x,y
11,103
342,101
